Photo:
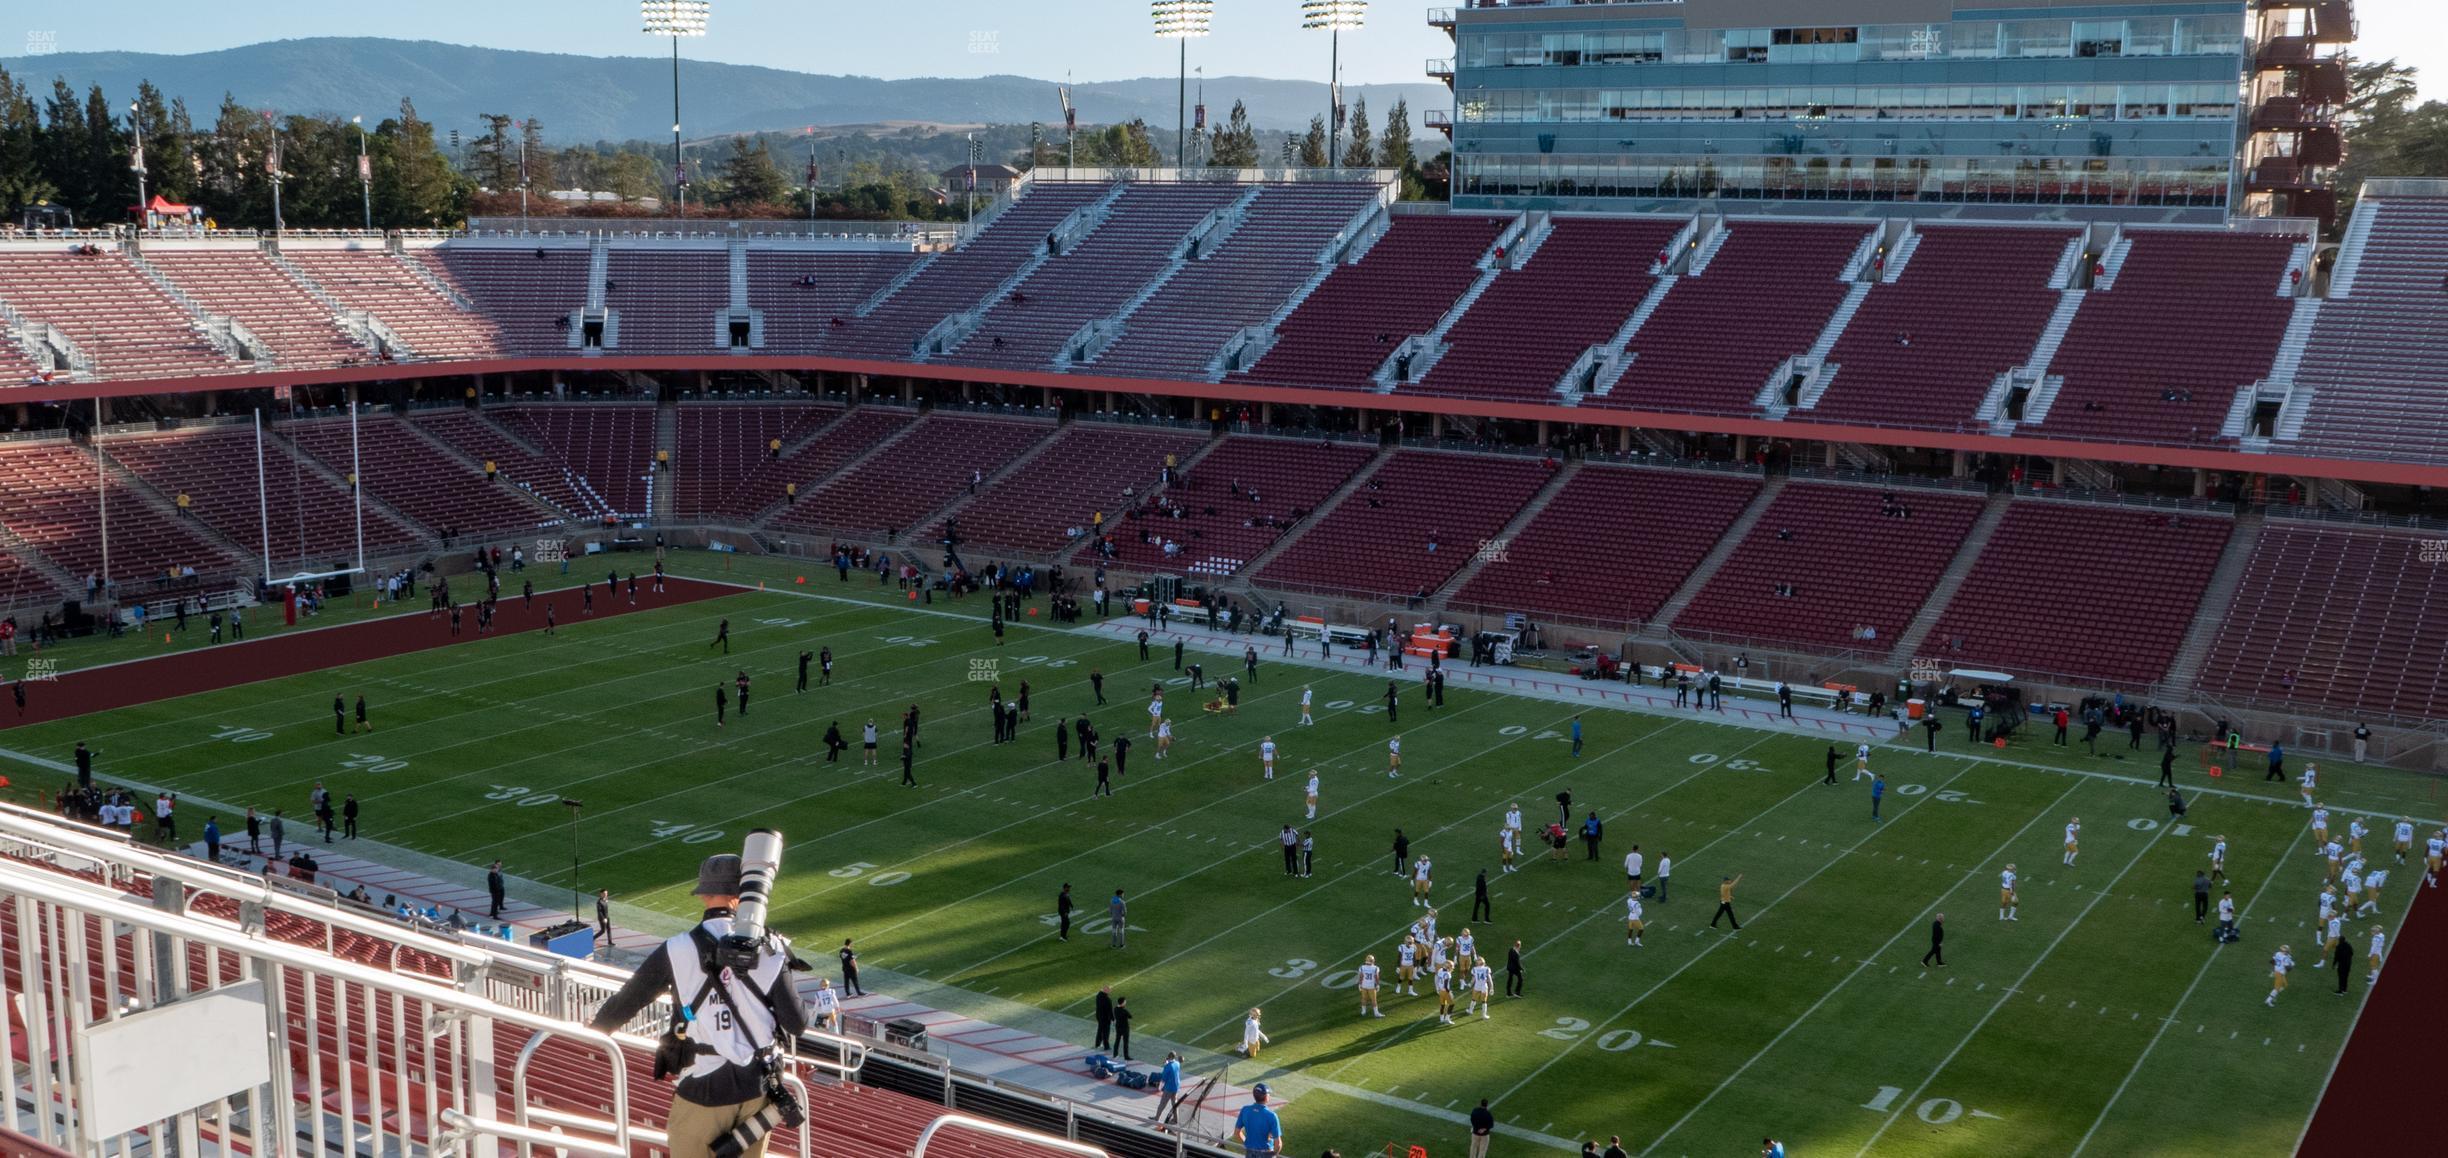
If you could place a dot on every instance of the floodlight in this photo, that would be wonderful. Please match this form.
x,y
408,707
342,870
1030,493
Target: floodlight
x,y
674,17
1333,14
1182,19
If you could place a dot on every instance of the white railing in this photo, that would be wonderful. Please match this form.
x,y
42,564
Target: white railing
x,y
2350,249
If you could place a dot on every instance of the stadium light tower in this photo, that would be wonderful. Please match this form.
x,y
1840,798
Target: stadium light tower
x,y
365,173
1334,16
136,162
675,19
1183,21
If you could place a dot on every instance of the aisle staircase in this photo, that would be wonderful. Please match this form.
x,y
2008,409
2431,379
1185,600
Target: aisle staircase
x,y
1702,572
2217,598
1512,530
1967,555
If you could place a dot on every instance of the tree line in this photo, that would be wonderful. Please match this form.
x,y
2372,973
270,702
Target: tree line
x,y
82,153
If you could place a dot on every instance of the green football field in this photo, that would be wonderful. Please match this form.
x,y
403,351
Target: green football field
x,y
2102,1021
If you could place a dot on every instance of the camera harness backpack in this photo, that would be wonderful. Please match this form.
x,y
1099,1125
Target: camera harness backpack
x,y
740,1029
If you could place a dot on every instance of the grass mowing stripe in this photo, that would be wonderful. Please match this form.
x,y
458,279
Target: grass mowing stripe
x,y
1362,868
1713,946
693,786
1860,965
1347,958
457,694
2177,1008
1154,825
2010,991
413,660
971,790
544,754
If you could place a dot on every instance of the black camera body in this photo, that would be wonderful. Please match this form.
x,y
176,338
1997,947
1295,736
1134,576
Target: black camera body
x,y
738,953
782,1109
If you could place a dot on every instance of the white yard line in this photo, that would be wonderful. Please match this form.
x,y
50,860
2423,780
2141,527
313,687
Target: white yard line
x,y
2207,961
1713,946
1860,965
1158,824
2008,994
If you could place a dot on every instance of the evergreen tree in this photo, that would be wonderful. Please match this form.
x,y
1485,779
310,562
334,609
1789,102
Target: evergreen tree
x,y
21,178
539,156
1313,146
414,187
169,161
493,156
1236,146
62,151
231,182
1394,146
105,163
749,174
1360,152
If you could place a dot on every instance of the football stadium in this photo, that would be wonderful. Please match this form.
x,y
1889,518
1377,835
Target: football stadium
x,y
1837,455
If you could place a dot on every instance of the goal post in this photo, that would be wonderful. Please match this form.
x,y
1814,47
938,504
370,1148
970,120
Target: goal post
x,y
302,568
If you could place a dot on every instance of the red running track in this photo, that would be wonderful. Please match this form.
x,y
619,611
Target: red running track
x,y
2390,1070
207,668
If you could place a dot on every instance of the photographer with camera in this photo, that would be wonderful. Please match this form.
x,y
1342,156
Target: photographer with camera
x,y
735,1015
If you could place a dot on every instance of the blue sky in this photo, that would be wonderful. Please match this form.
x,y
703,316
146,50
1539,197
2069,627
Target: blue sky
x,y
1094,39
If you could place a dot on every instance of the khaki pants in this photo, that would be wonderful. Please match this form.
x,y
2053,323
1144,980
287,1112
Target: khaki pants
x,y
694,1128
1479,1145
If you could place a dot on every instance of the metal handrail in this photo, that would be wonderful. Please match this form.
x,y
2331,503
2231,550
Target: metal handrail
x,y
75,893
999,1130
526,1136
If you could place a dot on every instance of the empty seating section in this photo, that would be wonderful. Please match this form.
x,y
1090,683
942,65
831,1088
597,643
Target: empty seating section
x,y
1560,564
1256,486
1717,336
817,459
246,285
1084,470
1418,519
1847,565
799,317
916,476
1240,282
2191,319
483,442
120,319
312,520
1351,323
529,293
431,325
720,444
2377,364
668,299
2351,621
1922,350
1519,338
47,498
960,280
415,478
1028,327
2097,593
24,585
609,447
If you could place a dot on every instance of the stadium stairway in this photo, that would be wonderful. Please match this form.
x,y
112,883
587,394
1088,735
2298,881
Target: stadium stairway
x,y
1735,533
1530,510
851,421
31,559
666,449
545,508
1249,571
2217,600
339,479
1914,633
928,525
166,506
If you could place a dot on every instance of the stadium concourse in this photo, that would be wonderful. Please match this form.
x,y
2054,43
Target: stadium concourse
x,y
2164,476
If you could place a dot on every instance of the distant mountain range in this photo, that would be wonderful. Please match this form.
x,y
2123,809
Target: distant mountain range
x,y
583,99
